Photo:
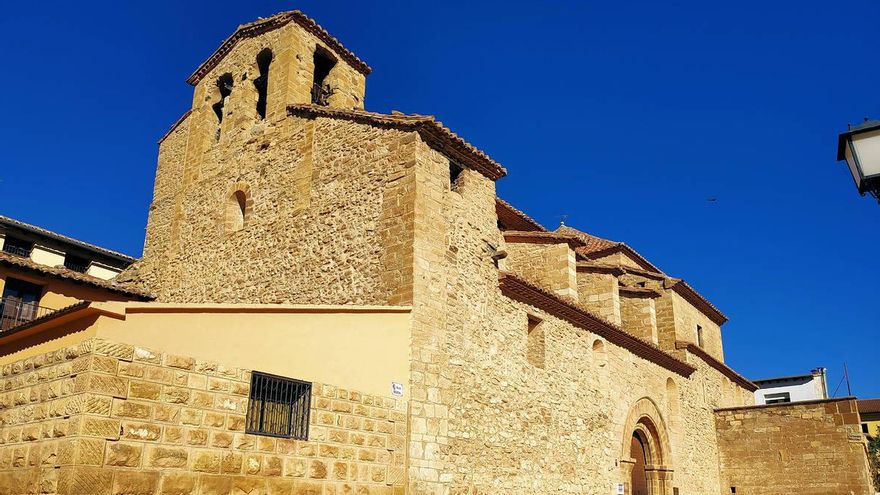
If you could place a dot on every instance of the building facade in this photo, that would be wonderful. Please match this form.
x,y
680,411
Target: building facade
x,y
335,301
792,388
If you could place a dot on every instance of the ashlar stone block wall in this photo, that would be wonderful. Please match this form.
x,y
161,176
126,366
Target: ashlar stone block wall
x,y
105,418
809,448
551,266
599,293
639,317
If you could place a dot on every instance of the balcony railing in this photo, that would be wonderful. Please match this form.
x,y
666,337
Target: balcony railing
x,y
77,267
14,312
16,250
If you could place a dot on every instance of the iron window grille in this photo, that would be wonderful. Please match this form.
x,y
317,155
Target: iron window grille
x,y
278,406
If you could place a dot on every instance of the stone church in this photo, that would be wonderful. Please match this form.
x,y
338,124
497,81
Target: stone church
x,y
334,301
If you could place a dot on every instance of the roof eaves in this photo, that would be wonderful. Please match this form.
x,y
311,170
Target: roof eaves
x,y
73,276
529,236
522,291
510,212
683,289
63,238
434,133
276,21
718,365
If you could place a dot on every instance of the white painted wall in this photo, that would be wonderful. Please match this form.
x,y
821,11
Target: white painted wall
x,y
799,388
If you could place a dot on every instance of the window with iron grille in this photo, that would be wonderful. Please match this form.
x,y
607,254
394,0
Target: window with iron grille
x,y
278,406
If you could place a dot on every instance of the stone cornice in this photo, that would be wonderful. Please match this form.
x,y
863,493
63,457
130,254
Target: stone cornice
x,y
541,238
718,365
276,21
594,267
682,288
432,132
522,291
638,292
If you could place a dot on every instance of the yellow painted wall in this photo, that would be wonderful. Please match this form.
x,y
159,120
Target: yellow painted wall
x,y
363,350
358,348
873,427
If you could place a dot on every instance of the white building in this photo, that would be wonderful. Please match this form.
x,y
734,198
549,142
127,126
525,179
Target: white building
x,y
792,388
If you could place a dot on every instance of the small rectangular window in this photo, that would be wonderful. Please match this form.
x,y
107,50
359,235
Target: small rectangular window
x,y
278,406
455,171
778,398
76,263
699,336
535,343
18,247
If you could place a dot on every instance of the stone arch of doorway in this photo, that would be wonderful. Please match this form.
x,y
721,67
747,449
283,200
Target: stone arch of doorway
x,y
645,433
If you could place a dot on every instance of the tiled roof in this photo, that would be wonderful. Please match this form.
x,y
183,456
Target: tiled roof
x,y
696,299
718,365
515,219
433,132
63,238
597,247
72,276
525,292
869,405
260,26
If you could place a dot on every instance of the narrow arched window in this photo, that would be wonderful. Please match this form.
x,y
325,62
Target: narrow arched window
x,y
264,58
224,84
237,211
323,64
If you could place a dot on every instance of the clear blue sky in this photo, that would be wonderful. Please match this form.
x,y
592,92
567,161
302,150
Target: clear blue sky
x,y
623,116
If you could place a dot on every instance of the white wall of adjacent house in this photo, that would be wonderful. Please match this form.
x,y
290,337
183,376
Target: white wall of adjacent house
x,y
101,271
794,389
47,256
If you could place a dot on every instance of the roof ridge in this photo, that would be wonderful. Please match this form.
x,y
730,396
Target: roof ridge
x,y
262,25
431,130
61,237
68,274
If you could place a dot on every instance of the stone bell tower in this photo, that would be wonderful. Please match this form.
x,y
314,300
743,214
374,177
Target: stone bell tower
x,y
259,70
235,163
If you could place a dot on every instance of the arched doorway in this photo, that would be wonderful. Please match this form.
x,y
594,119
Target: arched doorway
x,y
638,478
645,452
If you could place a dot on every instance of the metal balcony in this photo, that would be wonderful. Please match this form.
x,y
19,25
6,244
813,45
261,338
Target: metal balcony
x,y
14,313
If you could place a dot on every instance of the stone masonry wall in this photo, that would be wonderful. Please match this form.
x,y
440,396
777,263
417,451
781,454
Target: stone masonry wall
x,y
551,266
104,418
484,420
599,293
638,317
329,221
808,448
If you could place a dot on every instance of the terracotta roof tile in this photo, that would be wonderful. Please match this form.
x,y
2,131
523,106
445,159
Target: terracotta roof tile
x,y
525,292
63,238
515,219
869,405
260,26
72,276
718,365
597,247
432,131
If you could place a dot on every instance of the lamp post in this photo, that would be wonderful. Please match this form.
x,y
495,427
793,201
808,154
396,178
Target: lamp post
x,y
860,147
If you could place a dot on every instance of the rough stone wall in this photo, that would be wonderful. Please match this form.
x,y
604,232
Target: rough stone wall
x,y
329,218
551,266
619,259
599,293
638,317
104,418
485,420
807,448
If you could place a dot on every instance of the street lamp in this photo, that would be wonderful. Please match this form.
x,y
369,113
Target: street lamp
x,y
860,147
